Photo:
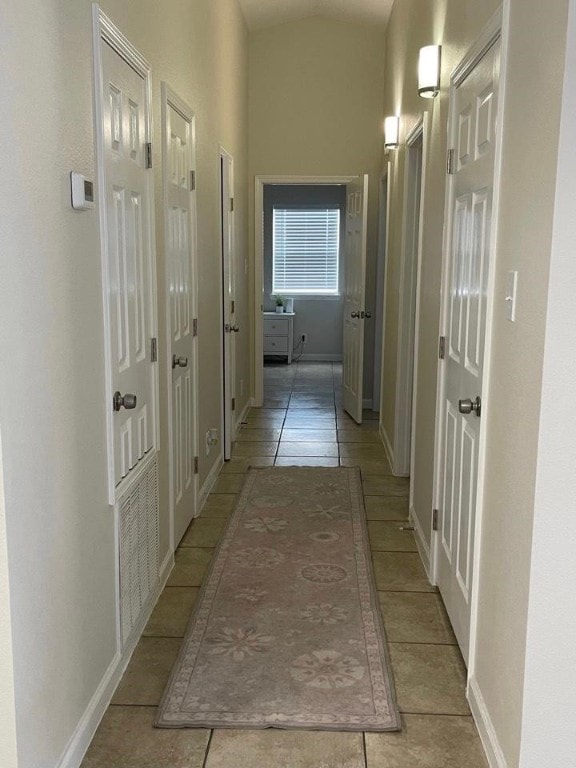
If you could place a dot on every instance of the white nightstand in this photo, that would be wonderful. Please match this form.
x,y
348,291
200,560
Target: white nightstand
x,y
279,333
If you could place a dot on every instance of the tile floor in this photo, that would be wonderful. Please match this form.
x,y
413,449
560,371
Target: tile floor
x,y
302,423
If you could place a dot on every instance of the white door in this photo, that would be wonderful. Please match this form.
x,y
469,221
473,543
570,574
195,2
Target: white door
x,y
229,325
473,121
354,291
131,286
180,228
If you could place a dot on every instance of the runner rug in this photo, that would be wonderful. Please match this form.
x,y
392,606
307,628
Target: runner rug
x,y
287,631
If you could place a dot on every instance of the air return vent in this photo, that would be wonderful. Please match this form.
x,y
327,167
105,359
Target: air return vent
x,y
138,520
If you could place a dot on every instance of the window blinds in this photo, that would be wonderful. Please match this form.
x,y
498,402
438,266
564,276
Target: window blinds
x,y
305,250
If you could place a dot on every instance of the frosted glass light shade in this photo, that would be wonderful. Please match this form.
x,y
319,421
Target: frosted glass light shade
x,y
391,132
429,71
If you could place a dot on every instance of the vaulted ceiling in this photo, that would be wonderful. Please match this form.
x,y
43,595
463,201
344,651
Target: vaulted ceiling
x,y
266,13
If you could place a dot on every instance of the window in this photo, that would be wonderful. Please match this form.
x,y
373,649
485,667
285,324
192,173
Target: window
x,y
305,246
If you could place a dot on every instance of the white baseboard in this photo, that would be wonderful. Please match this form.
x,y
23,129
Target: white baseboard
x,y
208,484
421,543
311,357
242,417
485,726
84,733
387,445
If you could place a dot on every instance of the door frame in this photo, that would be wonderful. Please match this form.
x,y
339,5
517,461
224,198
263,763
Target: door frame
x,y
227,259
104,30
408,309
384,201
170,98
258,305
496,29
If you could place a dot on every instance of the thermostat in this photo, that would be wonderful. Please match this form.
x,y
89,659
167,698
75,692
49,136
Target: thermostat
x,y
82,192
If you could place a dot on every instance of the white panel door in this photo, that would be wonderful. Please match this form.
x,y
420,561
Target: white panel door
x,y
128,190
354,292
180,215
473,122
229,326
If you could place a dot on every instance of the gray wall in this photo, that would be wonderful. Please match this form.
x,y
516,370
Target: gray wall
x,y
319,318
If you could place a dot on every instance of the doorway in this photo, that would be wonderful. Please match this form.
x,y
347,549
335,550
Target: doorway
x,y
229,326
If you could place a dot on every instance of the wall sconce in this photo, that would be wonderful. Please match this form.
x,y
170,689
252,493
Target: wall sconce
x,y
429,71
391,132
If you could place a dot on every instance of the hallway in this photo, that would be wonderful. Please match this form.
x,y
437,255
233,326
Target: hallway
x,y
302,423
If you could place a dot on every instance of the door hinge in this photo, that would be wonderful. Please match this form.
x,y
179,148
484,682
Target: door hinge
x,y
148,155
192,181
434,519
195,327
232,307
154,350
231,203
442,347
195,465
233,403
450,162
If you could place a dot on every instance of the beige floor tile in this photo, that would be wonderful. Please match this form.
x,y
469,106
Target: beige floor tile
x,y
400,571
190,567
430,679
308,449
265,422
285,749
172,612
310,413
229,483
348,424
239,465
219,505
363,451
385,486
254,434
316,423
372,467
386,507
260,448
307,435
359,436
261,461
147,672
276,402
427,741
386,536
415,617
204,532
126,738
306,461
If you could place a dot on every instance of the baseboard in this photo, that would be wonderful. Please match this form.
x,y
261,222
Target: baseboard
x,y
242,417
387,445
421,543
208,484
84,733
311,357
485,726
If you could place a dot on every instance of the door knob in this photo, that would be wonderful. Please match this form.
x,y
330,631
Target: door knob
x,y
181,362
367,315
234,328
469,406
127,401
227,328
355,314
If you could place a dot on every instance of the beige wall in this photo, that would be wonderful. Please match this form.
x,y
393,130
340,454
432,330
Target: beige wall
x,y
512,404
316,109
60,529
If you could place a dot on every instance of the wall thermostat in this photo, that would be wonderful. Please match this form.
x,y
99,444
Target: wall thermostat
x,y
82,192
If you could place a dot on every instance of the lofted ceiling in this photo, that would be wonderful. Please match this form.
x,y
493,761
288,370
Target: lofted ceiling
x,y
266,13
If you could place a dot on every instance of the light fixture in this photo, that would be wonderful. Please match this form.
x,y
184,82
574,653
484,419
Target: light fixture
x,y
429,71
391,132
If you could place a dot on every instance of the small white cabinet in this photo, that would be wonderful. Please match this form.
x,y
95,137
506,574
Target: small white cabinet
x,y
279,334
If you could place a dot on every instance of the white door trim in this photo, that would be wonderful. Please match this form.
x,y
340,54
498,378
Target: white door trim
x,y
381,276
103,29
258,335
496,28
171,98
228,270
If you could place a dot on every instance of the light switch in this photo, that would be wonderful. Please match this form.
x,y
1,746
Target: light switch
x,y
511,288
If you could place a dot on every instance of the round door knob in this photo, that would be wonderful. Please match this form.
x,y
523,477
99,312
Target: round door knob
x,y
367,315
355,314
235,328
127,401
181,362
470,406
227,328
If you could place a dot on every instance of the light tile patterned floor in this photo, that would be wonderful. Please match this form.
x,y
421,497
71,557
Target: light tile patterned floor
x,y
302,423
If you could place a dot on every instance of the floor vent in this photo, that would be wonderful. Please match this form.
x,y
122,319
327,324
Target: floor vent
x,y
138,520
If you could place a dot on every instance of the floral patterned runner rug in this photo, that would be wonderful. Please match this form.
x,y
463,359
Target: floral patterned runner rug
x,y
287,631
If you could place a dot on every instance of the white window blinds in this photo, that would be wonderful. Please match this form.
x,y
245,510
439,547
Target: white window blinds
x,y
305,250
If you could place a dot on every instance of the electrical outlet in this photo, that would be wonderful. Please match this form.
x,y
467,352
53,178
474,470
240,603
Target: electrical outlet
x,y
304,338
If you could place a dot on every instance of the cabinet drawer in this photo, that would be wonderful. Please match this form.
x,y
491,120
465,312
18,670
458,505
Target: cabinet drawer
x,y
274,327
276,345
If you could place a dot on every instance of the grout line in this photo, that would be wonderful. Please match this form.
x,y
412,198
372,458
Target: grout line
x,y
208,745
422,642
435,714
364,749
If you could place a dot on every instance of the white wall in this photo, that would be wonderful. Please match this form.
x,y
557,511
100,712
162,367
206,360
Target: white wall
x,y
549,702
60,529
